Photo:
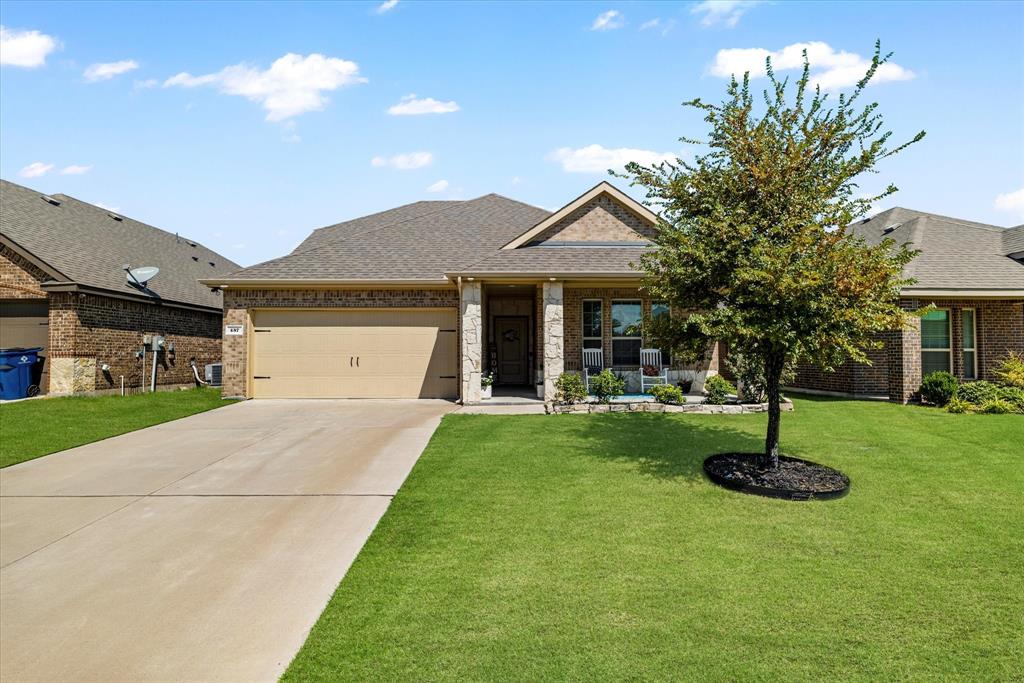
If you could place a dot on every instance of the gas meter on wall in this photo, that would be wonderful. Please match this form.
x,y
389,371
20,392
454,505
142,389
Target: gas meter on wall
x,y
158,343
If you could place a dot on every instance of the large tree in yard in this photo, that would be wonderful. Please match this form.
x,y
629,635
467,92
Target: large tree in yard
x,y
753,238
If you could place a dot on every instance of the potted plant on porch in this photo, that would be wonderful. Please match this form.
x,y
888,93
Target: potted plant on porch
x,y
486,382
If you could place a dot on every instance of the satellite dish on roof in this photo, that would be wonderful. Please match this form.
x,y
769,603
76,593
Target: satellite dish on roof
x,y
141,275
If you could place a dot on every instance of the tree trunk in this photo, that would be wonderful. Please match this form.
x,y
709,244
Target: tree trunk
x,y
773,364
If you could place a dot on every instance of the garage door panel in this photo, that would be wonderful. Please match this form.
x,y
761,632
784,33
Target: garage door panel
x,y
379,353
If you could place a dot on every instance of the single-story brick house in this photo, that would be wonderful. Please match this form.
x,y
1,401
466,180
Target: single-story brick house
x,y
424,299
973,274
63,287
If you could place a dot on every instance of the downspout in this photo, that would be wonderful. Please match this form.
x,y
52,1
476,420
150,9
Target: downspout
x,y
195,372
152,381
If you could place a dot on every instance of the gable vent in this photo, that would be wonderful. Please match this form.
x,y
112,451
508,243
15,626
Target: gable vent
x,y
49,200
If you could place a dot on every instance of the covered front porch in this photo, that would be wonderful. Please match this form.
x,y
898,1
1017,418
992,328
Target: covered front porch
x,y
523,334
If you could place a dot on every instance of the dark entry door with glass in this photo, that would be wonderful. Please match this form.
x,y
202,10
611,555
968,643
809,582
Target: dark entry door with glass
x,y
512,339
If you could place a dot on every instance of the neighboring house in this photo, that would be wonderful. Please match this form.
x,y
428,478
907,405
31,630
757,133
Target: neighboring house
x,y
63,287
422,300
973,274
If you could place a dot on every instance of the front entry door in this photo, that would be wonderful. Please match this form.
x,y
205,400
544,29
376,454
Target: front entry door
x,y
512,337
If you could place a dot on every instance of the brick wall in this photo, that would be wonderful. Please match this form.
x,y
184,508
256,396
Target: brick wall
x,y
999,326
239,303
602,219
88,331
19,279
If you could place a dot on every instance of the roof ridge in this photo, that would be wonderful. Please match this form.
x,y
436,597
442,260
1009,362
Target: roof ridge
x,y
512,199
460,205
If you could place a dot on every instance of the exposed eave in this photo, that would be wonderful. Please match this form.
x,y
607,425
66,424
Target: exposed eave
x,y
604,187
67,286
953,293
225,283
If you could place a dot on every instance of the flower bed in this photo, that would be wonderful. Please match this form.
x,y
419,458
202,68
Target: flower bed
x,y
652,407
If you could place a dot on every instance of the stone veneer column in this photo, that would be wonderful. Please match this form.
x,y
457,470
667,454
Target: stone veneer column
x,y
554,337
472,343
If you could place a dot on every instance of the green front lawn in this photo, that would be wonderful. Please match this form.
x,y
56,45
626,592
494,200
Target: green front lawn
x,y
29,429
592,547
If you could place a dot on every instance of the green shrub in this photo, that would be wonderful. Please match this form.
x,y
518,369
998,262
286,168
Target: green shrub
x,y
1010,370
977,392
960,406
997,406
606,385
938,388
667,393
1014,396
569,388
717,389
749,371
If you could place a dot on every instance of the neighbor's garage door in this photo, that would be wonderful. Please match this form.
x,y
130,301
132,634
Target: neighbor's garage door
x,y
381,353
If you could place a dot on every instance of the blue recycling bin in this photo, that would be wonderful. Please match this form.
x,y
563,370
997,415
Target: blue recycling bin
x,y
16,370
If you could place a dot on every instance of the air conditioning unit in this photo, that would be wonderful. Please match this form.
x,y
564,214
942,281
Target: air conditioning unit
x,y
213,374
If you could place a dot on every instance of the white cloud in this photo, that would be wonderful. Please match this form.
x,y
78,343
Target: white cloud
x,y
35,169
106,71
410,106
404,162
292,85
386,6
1012,202
727,12
439,186
598,159
650,23
830,69
148,83
25,48
607,21
75,169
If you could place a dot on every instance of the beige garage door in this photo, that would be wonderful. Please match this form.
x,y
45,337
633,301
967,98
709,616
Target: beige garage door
x,y
381,353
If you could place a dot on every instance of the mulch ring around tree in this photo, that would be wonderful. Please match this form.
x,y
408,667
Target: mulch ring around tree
x,y
795,479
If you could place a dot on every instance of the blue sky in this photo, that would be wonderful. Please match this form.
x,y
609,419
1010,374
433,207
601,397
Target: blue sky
x,y
193,116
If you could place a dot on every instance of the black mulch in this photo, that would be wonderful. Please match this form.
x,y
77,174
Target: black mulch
x,y
794,479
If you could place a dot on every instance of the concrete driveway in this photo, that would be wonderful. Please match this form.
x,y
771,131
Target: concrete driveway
x,y
200,549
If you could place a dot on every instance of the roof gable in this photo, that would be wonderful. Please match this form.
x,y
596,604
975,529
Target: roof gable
x,y
603,214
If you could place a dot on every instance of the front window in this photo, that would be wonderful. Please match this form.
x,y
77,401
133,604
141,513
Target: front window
x,y
935,347
626,333
970,350
592,328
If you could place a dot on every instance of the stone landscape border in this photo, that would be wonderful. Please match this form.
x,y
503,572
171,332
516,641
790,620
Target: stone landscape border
x,y
654,407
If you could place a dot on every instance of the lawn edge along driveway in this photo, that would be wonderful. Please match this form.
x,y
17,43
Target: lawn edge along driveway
x,y
32,429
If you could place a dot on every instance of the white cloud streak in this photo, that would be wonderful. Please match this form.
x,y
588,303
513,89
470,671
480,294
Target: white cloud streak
x,y
831,69
725,12
75,169
650,23
292,85
410,106
608,21
27,49
1011,202
35,169
598,159
386,6
404,162
439,186
106,71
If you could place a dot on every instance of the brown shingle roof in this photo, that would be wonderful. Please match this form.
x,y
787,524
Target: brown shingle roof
x,y
559,260
955,254
382,219
422,247
89,247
